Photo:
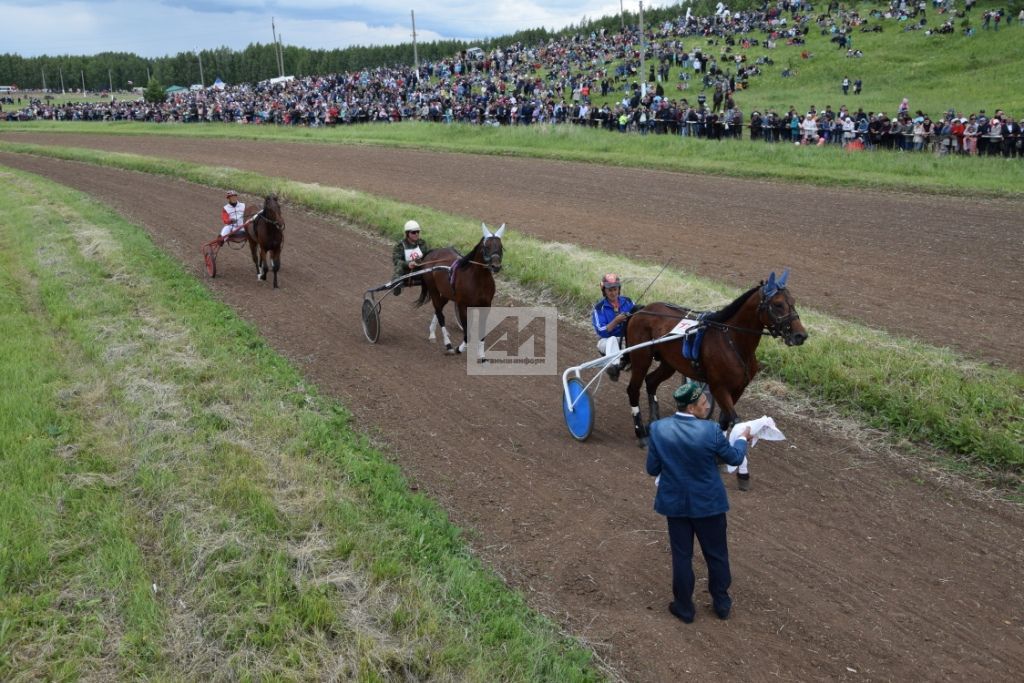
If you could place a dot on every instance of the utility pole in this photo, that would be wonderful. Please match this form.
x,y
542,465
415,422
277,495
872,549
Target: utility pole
x,y
415,54
83,81
110,77
622,16
202,81
60,71
43,72
278,56
280,53
643,74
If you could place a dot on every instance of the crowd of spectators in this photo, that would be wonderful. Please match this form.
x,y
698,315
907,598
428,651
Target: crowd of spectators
x,y
557,83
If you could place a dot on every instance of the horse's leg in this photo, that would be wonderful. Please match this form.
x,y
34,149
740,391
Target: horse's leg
x,y
253,246
641,361
259,264
726,421
433,328
275,262
481,327
727,416
462,309
439,304
653,381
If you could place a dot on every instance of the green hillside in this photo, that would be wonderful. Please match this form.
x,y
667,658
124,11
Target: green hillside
x,y
935,72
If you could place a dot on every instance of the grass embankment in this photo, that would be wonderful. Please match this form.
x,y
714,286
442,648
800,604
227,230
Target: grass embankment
x,y
171,511
971,410
828,166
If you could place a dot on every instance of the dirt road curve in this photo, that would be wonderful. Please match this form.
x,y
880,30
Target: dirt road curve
x,y
847,565
947,271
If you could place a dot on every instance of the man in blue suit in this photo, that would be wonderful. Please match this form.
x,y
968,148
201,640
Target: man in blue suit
x,y
684,450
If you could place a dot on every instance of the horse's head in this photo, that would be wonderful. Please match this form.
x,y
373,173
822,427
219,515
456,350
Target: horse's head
x,y
491,249
272,210
778,312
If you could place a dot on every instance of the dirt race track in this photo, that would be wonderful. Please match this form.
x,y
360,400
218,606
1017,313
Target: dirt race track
x,y
849,562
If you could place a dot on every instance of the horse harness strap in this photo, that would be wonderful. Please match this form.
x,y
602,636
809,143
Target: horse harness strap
x,y
732,345
260,214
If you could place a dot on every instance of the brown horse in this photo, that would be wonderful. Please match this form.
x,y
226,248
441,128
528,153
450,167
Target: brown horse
x,y
726,360
265,229
469,283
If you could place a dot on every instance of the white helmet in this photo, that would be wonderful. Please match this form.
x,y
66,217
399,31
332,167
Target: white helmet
x,y
411,225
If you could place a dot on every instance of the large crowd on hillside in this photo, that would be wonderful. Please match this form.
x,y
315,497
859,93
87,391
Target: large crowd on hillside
x,y
558,81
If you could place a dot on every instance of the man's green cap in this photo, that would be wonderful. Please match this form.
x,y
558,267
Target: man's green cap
x,y
688,393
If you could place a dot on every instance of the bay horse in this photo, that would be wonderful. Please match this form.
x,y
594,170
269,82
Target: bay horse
x,y
727,359
265,230
469,283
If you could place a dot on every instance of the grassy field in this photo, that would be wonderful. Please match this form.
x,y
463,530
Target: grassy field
x,y
935,72
168,512
971,410
829,166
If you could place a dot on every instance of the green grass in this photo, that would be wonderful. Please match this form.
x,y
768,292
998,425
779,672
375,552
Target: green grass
x,y
170,513
935,73
973,411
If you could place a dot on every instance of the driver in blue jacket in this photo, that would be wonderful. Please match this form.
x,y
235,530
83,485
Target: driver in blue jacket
x,y
609,319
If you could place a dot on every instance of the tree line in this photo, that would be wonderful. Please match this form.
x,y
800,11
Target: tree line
x,y
258,61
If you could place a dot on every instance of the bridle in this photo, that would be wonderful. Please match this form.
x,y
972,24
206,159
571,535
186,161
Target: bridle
x,y
489,255
780,326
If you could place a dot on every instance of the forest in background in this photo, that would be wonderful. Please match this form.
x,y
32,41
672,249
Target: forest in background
x,y
258,61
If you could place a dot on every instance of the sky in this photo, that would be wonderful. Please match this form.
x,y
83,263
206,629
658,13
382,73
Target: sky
x,y
156,28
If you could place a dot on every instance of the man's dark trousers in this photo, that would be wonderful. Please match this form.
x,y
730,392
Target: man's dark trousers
x,y
711,533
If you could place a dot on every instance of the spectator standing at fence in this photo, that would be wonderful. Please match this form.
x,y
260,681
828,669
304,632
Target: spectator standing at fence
x,y
848,131
809,129
971,136
994,136
919,134
956,130
1011,138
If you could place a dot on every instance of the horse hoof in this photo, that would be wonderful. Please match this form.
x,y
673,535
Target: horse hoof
x,y
432,337
449,350
641,442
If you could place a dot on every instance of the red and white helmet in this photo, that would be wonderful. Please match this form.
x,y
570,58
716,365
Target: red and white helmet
x,y
230,193
611,280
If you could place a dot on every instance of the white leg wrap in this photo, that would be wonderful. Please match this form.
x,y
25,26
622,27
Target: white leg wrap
x,y
446,337
433,328
636,410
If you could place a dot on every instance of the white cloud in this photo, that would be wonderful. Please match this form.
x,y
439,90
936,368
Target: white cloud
x,y
155,28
